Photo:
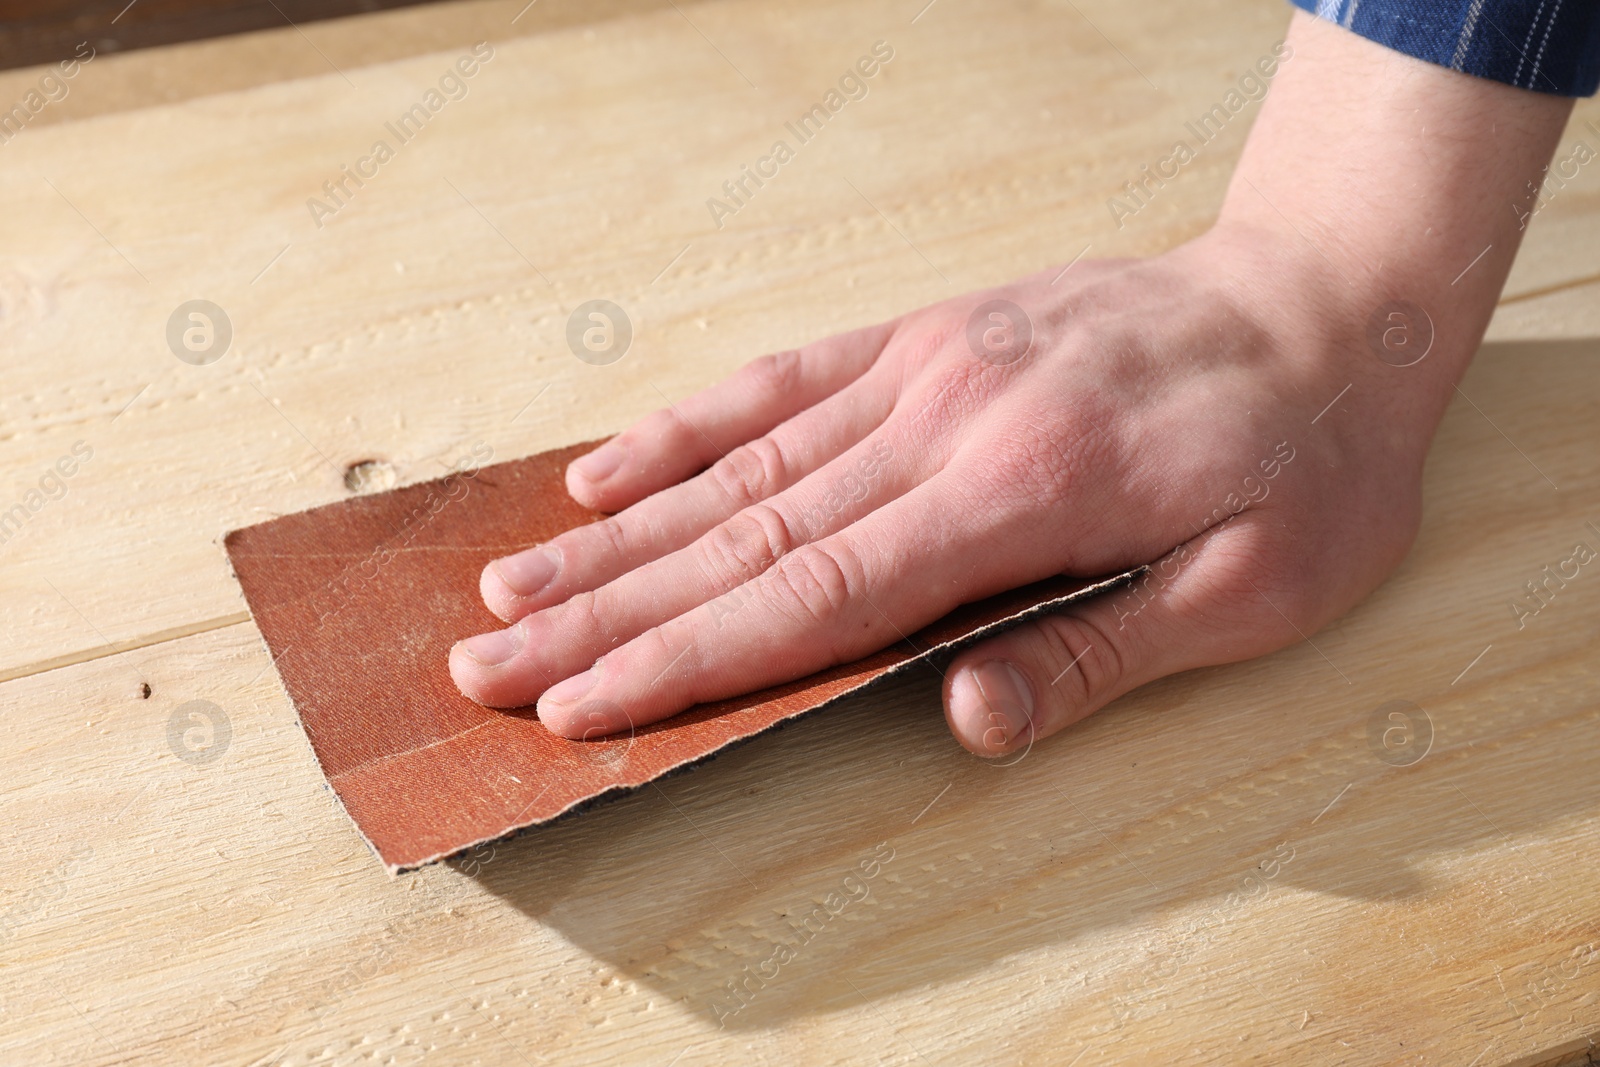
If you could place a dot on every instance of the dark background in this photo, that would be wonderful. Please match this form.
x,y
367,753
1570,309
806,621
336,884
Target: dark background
x,y
47,31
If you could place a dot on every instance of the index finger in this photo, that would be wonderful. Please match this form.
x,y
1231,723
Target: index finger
x,y
669,445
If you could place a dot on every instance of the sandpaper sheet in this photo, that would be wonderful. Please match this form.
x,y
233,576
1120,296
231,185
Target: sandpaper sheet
x,y
360,601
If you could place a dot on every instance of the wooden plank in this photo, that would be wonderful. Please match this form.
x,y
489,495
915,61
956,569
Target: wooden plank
x,y
1220,869
1572,311
429,312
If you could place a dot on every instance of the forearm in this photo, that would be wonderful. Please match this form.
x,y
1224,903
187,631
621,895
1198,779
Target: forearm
x,y
1399,181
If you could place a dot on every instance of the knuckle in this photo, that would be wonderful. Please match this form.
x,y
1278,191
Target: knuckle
x,y
608,536
920,340
778,374
1096,660
813,584
1030,469
653,653
947,395
960,380
582,613
750,473
1274,596
748,543
666,429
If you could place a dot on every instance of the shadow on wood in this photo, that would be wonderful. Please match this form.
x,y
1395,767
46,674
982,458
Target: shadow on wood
x,y
742,889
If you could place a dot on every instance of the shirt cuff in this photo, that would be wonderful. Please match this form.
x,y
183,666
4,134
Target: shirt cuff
x,y
1549,46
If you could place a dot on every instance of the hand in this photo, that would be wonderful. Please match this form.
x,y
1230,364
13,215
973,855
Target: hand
x,y
1218,409
877,480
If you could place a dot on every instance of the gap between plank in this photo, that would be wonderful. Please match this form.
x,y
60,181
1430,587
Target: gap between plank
x,y
1559,287
89,655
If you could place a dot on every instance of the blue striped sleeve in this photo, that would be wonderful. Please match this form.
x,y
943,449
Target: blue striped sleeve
x,y
1550,46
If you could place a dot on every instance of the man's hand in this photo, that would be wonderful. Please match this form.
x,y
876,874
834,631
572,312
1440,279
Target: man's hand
x,y
875,481
1222,409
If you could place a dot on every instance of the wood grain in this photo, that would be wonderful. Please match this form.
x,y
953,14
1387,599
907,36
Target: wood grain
x,y
1123,893
1116,891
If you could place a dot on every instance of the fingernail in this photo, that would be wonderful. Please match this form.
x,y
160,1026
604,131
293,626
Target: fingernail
x,y
491,650
527,572
1007,702
600,464
570,691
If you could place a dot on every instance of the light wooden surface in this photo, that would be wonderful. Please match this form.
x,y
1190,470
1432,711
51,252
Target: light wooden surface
x,y
1220,869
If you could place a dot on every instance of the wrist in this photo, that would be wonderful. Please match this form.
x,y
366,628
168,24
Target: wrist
x,y
1386,348
1381,193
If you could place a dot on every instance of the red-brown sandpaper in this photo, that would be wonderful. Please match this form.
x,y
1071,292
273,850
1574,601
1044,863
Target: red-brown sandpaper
x,y
361,600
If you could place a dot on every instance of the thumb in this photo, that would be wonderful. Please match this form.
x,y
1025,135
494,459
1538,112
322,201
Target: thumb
x,y
1198,606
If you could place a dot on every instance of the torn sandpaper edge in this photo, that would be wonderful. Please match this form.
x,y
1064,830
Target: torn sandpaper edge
x,y
360,601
